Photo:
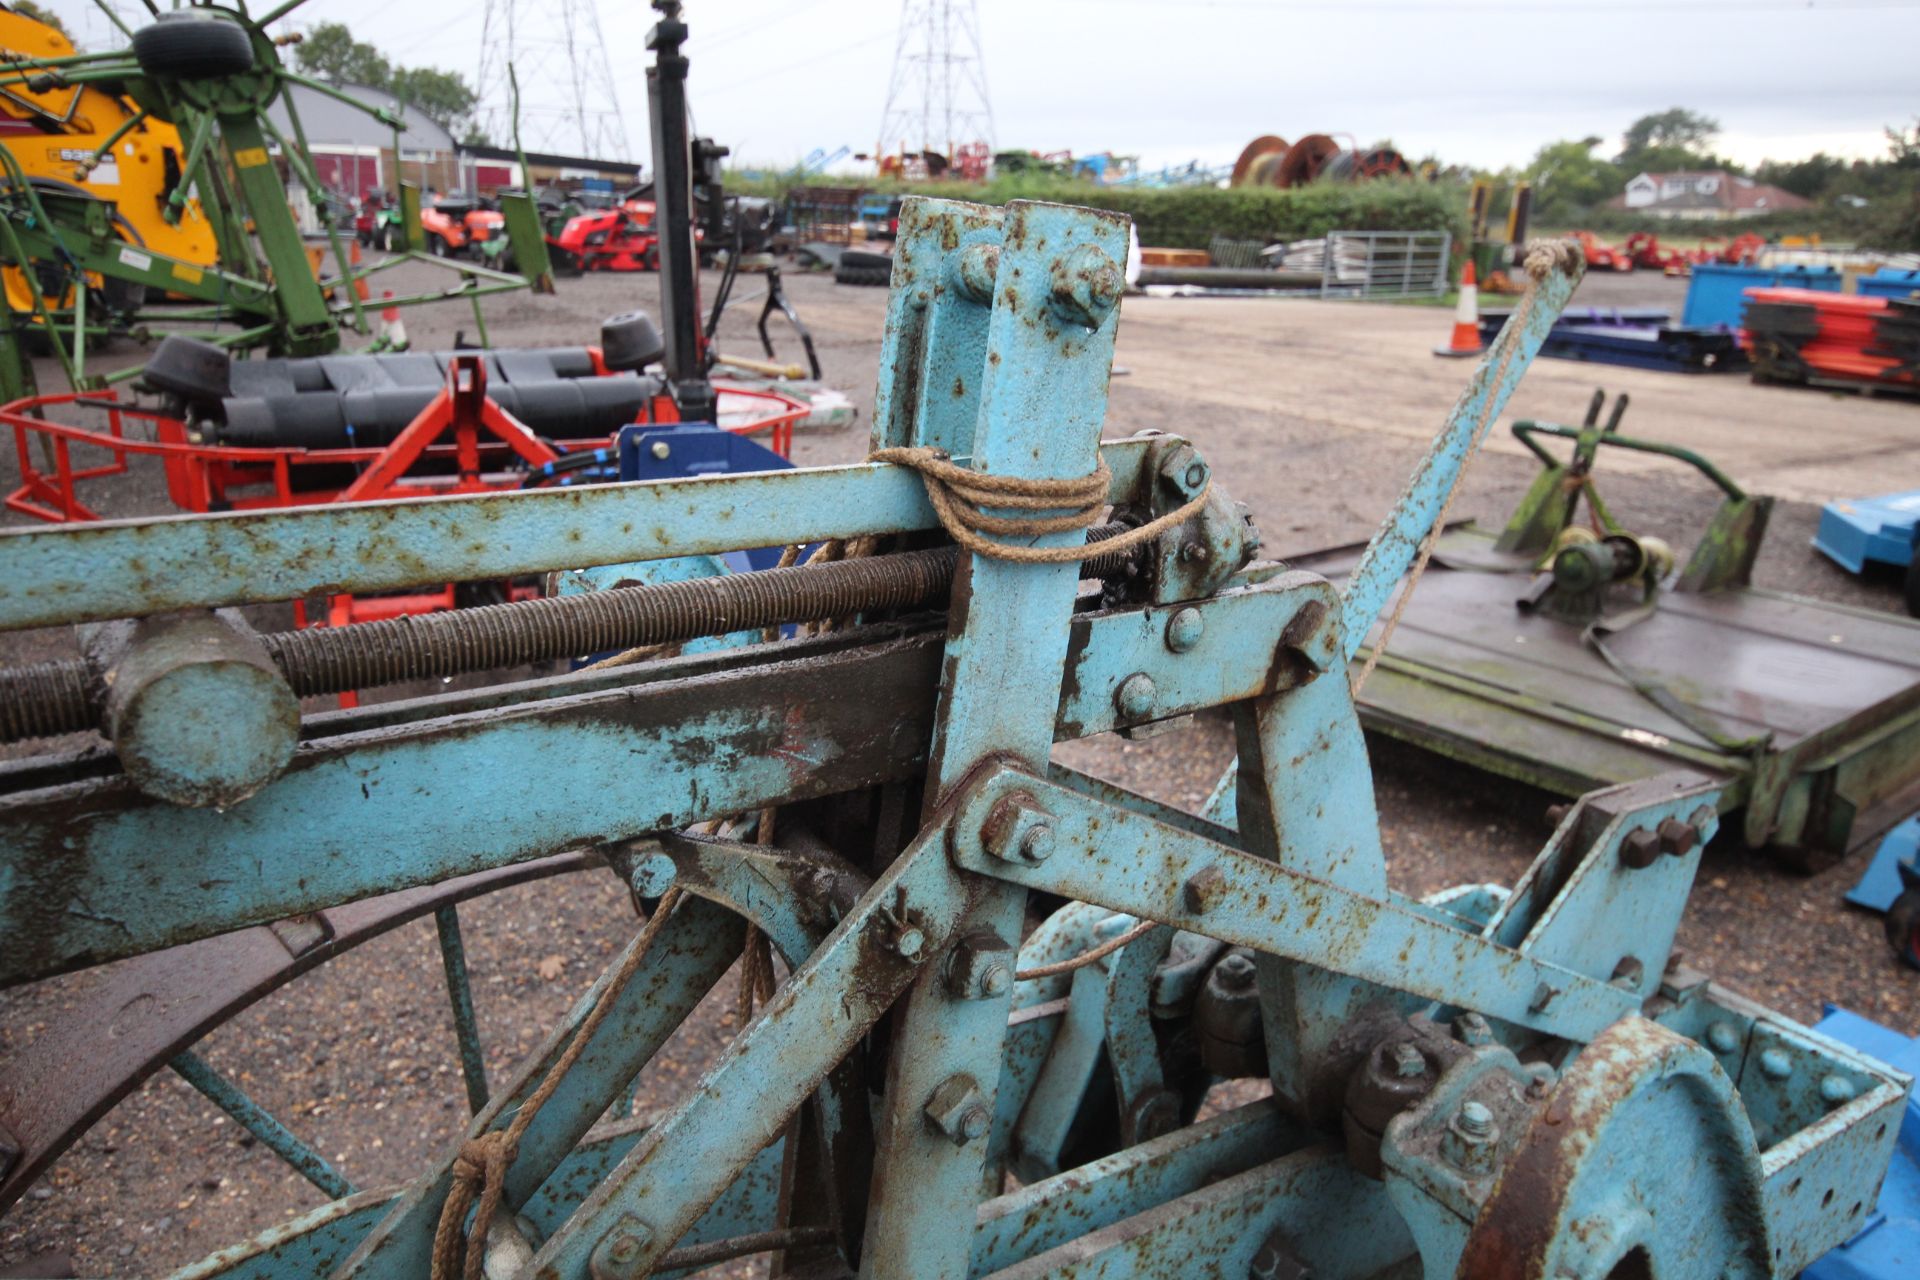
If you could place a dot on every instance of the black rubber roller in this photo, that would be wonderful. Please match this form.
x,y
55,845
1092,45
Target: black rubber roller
x,y
631,341
198,372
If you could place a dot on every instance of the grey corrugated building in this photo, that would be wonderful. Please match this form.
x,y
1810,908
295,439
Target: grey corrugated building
x,y
353,151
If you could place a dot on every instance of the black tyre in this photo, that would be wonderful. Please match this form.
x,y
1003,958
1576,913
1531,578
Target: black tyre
x,y
631,341
192,44
437,245
869,277
365,238
196,371
565,262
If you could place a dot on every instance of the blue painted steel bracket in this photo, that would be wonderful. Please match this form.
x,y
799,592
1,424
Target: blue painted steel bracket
x,y
1000,340
131,568
1883,530
1894,869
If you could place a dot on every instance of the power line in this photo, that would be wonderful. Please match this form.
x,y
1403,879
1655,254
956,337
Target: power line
x,y
556,50
937,95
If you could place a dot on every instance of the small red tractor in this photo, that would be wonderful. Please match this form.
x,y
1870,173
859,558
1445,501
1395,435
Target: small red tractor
x,y
457,225
618,239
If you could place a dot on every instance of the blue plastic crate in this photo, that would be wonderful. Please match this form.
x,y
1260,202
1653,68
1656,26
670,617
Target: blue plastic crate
x,y
1855,530
1888,283
1888,1246
1714,296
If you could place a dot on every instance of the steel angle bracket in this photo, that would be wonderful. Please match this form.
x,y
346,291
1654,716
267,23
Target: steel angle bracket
x,y
1127,862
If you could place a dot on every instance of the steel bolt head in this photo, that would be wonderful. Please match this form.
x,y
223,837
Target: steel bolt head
x,y
996,979
1184,629
624,1249
1235,972
957,1109
1472,1029
1476,1121
1037,844
909,942
1775,1064
1009,827
1640,849
1836,1090
975,270
1086,286
1722,1038
1557,814
1677,838
1407,1062
661,450
1136,695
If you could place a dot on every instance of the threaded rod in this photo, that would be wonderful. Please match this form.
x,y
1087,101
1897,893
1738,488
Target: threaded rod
x,y
49,698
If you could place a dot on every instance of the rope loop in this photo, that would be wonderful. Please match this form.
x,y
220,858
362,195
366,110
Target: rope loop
x,y
959,496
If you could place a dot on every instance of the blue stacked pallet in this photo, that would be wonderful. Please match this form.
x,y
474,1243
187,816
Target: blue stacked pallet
x,y
1716,293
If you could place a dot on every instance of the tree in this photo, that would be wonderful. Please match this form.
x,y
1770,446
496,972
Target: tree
x,y
330,52
1814,177
1676,128
439,95
1567,176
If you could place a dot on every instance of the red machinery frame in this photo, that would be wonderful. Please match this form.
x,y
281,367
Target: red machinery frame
x,y
462,436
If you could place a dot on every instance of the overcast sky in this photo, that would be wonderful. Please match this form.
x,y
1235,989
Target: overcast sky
x,y
1481,82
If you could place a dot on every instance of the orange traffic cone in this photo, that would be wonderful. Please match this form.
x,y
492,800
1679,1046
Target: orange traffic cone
x,y
1466,319
392,327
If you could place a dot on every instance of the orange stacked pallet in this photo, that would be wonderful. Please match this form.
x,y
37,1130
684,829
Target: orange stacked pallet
x,y
1808,335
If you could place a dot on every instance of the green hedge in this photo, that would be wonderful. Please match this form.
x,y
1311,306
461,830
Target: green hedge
x,y
1189,217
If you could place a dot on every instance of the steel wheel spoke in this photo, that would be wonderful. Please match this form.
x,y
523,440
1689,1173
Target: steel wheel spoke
x,y
233,1100
453,958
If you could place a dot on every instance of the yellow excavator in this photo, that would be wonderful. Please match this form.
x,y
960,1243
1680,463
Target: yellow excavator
x,y
87,136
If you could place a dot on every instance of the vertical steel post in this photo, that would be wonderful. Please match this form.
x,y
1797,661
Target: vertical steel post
x,y
673,215
297,295
1053,287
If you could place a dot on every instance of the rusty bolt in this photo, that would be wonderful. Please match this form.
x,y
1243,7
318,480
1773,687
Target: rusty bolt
x,y
1542,997
1475,1120
1156,1115
1557,814
974,272
1017,829
1235,972
1470,1139
1775,1064
980,967
617,1254
1640,848
908,941
957,1109
1677,838
1183,470
1629,973
1184,629
1408,1062
1203,889
1472,1029
1277,1260
1136,695
1703,817
1086,286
